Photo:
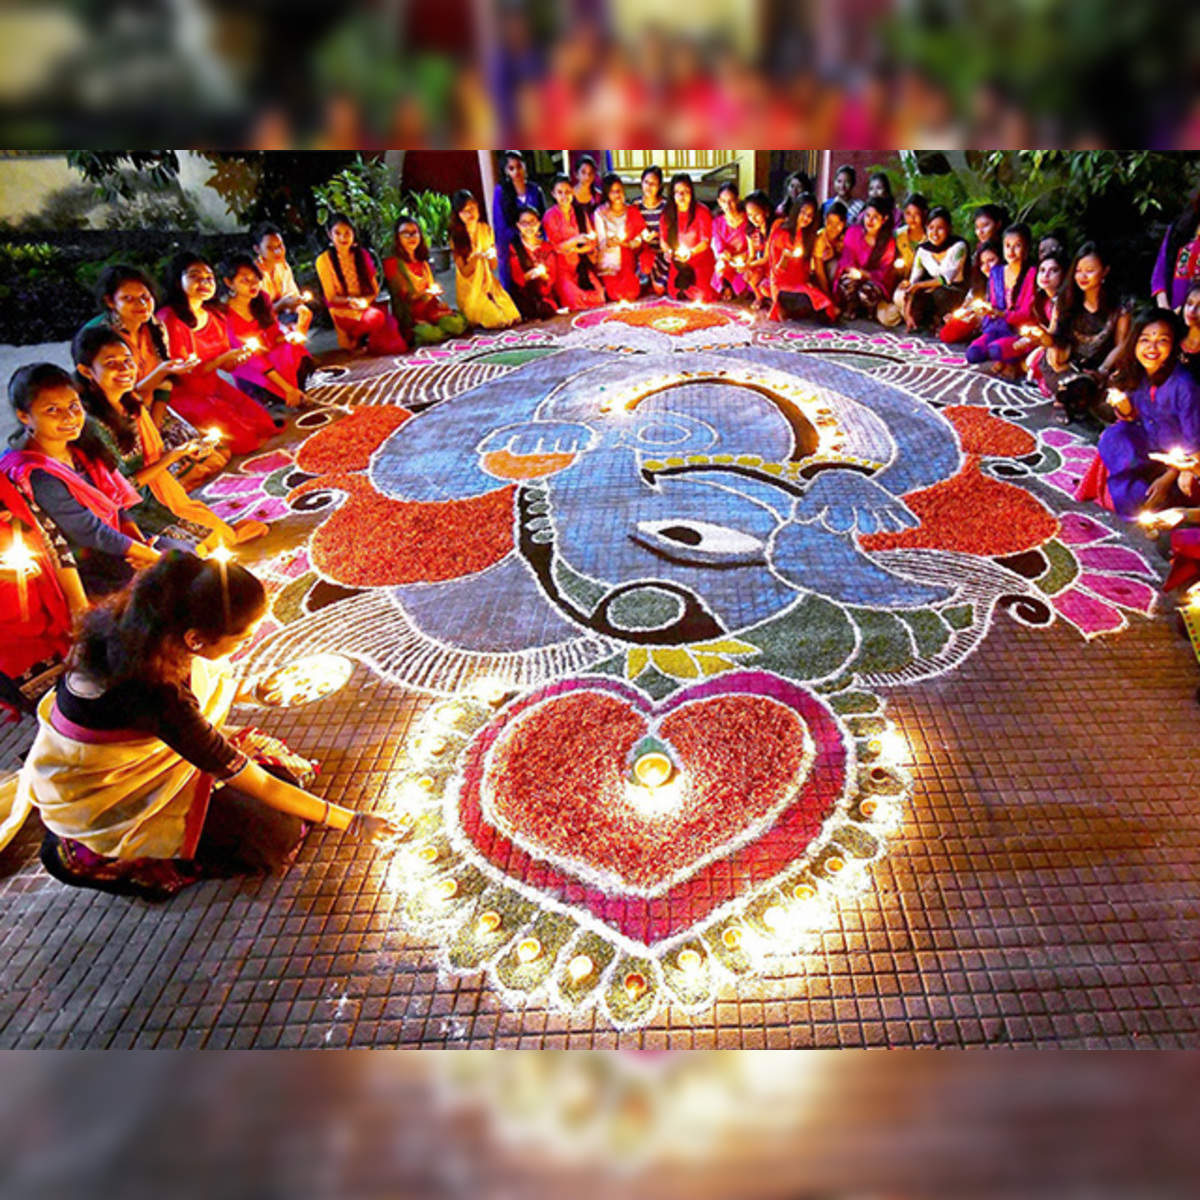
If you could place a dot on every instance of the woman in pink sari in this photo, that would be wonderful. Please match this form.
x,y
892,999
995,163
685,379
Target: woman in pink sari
x,y
731,247
866,272
279,364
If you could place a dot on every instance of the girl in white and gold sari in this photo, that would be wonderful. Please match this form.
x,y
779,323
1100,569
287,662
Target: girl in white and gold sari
x,y
140,790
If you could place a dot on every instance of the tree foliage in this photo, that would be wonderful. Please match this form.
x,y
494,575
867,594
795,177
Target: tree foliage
x,y
120,175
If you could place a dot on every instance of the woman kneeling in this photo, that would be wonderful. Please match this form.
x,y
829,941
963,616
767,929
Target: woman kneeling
x,y
129,761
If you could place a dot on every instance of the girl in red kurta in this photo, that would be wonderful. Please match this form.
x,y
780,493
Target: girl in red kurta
x,y
790,251
619,229
687,243
281,364
572,234
532,268
194,331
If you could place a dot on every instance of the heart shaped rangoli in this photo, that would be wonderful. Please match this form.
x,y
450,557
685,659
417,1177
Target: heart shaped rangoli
x,y
547,803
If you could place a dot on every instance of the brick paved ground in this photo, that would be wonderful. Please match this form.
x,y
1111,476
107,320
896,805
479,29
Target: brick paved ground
x,y
1041,891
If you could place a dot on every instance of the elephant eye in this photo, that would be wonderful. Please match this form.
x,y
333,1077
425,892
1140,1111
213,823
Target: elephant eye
x,y
700,541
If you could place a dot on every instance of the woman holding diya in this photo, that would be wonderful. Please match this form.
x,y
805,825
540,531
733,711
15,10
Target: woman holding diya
x,y
1149,460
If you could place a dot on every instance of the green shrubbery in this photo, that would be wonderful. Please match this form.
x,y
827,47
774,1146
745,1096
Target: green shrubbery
x,y
48,287
1122,199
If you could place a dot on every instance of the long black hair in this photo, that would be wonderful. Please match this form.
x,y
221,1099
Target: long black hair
x,y
362,260
978,280
1021,230
85,349
138,633
1128,372
421,254
174,296
791,220
886,233
111,280
1070,297
260,306
460,239
518,244
585,274
670,217
510,202
28,383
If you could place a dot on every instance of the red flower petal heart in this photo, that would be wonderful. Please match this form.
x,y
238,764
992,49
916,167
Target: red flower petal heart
x,y
545,800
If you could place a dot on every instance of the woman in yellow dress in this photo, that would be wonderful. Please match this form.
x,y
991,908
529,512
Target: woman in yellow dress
x,y
481,298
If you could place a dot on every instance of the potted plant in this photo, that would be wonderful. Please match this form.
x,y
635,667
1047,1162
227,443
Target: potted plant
x,y
432,211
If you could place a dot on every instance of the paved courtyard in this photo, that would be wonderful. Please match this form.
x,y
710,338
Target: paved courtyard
x,y
976,661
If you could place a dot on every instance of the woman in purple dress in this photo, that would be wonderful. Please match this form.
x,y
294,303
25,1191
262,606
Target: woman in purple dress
x,y
1178,264
513,193
1159,415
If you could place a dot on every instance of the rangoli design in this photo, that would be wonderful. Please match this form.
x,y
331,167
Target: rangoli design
x,y
658,566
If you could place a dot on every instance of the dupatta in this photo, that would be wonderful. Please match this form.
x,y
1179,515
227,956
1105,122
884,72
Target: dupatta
x,y
120,793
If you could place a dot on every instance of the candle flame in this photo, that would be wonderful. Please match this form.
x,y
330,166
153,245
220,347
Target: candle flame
x,y
19,558
221,553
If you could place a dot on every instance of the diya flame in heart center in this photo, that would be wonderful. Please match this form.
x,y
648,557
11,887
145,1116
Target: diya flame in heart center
x,y
558,782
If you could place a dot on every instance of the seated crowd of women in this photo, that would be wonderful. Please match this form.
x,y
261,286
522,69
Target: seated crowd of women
x,y
130,760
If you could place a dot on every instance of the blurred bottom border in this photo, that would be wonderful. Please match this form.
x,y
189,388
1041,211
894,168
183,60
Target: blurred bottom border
x,y
738,1124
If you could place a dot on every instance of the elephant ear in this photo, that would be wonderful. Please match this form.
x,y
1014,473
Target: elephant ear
x,y
347,445
371,540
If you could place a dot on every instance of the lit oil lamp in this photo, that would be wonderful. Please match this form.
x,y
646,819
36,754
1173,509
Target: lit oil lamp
x,y
436,289
221,554
489,922
428,854
1118,399
23,563
1031,331
804,892
580,968
868,807
1166,518
835,864
854,273
635,985
252,343
296,337
1178,459
689,961
446,889
775,918
305,680
529,950
306,295
732,937
652,769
